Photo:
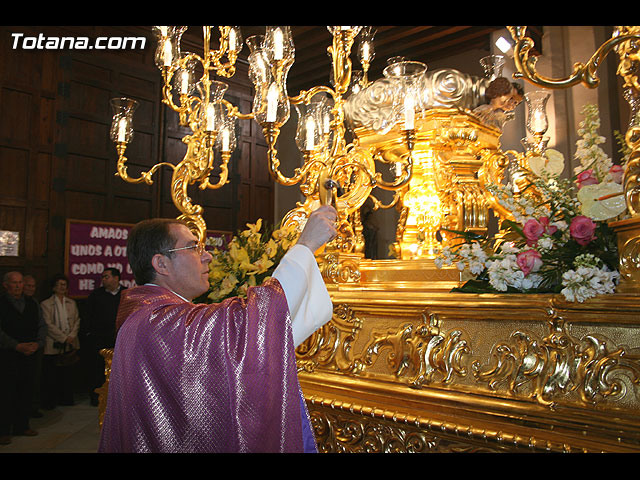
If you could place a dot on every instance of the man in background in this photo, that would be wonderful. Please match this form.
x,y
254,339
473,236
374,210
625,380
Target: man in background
x,y
29,289
100,325
22,333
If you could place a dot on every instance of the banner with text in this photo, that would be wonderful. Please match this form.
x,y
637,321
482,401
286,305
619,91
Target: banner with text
x,y
91,247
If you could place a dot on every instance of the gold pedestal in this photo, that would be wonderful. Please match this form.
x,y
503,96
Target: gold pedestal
x,y
628,234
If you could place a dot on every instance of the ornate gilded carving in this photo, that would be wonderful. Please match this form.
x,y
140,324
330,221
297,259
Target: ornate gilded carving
x,y
107,353
330,346
337,267
344,433
551,367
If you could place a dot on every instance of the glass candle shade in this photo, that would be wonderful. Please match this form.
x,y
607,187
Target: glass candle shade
x,y
406,76
122,124
234,39
278,43
184,79
537,121
309,133
492,66
212,112
168,49
226,139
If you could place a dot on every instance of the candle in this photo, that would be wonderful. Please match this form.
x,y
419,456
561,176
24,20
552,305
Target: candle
x,y
311,128
365,51
225,140
232,39
210,118
409,112
272,103
122,130
278,47
166,53
184,84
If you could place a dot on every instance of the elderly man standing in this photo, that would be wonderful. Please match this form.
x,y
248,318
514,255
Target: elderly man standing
x,y
212,378
22,333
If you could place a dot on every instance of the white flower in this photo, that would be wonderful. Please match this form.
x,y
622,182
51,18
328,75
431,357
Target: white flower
x,y
545,242
588,281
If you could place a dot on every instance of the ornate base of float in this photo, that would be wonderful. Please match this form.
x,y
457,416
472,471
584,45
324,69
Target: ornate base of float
x,y
408,367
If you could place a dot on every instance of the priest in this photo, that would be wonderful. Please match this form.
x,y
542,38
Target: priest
x,y
212,378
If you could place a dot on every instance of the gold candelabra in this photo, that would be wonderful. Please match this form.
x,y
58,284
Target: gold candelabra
x,y
332,170
200,106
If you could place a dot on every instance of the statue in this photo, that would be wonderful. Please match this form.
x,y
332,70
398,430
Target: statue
x,y
503,97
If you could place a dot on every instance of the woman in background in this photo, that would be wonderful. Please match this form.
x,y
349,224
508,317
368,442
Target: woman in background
x,y
63,321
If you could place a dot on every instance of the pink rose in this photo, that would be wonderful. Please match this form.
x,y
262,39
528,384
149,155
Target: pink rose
x,y
534,229
616,172
586,178
582,229
529,261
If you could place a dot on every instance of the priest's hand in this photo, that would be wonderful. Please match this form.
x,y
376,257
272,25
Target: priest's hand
x,y
320,228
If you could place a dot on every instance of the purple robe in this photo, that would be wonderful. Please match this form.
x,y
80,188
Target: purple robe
x,y
205,378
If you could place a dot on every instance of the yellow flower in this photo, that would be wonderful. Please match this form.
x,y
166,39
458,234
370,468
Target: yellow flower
x,y
261,265
228,283
239,257
253,231
271,248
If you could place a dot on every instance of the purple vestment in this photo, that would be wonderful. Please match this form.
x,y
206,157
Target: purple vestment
x,y
204,378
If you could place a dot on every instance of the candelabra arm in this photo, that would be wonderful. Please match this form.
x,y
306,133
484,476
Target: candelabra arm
x,y
271,132
145,177
397,196
525,62
306,95
401,181
232,110
224,174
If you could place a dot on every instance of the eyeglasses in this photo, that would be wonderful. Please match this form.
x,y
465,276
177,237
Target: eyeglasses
x,y
198,247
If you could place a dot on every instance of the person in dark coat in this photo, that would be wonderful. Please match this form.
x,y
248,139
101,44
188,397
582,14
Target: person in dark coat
x,y
22,332
102,308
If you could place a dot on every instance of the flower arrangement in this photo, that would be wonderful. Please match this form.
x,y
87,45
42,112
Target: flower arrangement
x,y
248,261
559,240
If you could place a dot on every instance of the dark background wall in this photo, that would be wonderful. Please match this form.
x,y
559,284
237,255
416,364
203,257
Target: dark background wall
x,y
57,161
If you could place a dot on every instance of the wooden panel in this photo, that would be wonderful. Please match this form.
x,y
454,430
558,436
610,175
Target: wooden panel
x,y
14,172
86,173
36,233
131,210
84,206
15,128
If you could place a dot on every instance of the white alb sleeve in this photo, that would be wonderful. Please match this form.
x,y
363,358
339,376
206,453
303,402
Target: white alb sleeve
x,y
309,302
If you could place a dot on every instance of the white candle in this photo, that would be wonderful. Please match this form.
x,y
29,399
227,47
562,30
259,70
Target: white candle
x,y
232,39
272,103
184,84
210,118
122,130
278,47
409,112
225,140
311,129
166,54
365,51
